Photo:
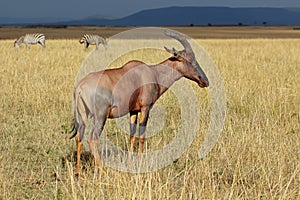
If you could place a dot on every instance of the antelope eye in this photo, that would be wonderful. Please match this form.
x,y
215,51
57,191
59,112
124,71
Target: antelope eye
x,y
187,60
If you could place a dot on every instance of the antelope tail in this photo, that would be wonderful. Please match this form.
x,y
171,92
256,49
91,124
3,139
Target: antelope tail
x,y
74,125
73,129
81,113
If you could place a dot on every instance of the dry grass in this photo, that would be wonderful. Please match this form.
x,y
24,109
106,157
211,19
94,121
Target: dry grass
x,y
256,157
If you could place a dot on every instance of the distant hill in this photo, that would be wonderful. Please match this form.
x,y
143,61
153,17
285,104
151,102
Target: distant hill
x,y
174,16
30,21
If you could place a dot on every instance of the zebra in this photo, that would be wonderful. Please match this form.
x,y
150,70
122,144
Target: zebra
x,y
28,39
88,39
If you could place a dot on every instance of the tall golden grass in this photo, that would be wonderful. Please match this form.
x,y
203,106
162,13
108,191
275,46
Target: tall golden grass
x,y
256,157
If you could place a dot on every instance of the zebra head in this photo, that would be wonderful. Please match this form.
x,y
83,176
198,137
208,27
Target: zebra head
x,y
18,42
16,45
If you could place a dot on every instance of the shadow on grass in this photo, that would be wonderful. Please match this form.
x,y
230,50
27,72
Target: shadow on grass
x,y
87,160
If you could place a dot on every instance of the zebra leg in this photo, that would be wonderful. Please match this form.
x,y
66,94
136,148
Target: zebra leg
x,y
86,44
43,44
27,46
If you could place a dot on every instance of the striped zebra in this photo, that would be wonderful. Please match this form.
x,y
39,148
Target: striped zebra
x,y
88,39
28,39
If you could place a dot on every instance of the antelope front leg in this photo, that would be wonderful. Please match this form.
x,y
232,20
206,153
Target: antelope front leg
x,y
133,123
142,128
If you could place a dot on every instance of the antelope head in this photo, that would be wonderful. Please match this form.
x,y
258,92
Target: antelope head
x,y
189,67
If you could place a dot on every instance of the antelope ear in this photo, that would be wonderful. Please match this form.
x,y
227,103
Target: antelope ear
x,y
173,51
168,50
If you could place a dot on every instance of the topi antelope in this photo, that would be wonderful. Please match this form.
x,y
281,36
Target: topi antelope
x,y
132,88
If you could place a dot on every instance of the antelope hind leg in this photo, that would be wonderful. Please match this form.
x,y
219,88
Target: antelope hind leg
x,y
95,152
79,148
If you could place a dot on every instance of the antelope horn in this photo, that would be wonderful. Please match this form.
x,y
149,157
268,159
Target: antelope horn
x,y
182,40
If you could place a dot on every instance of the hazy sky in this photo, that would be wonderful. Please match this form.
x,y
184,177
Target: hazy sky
x,y
77,9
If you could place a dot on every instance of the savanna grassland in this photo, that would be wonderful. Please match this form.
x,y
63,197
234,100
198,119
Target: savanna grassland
x,y
256,157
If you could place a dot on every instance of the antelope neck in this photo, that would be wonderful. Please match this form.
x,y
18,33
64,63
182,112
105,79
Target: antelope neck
x,y
166,74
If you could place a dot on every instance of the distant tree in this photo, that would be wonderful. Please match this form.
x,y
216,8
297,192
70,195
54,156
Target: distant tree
x,y
240,24
264,23
209,24
192,25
